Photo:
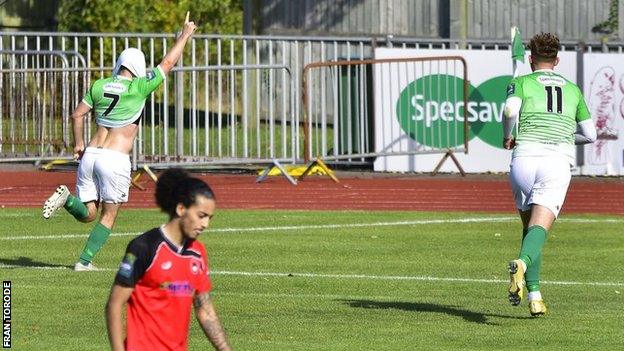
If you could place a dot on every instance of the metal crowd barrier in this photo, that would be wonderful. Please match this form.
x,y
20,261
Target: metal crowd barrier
x,y
37,93
236,115
340,96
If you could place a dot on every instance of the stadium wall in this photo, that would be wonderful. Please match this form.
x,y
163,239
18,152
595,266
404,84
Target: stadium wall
x,y
461,19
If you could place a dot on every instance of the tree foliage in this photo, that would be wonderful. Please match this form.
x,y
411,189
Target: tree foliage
x,y
150,16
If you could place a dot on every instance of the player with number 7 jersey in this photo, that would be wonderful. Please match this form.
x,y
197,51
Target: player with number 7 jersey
x,y
103,177
119,100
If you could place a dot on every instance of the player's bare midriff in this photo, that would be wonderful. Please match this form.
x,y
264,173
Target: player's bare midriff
x,y
118,139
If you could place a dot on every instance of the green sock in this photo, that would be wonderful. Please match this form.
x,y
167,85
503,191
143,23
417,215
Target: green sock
x,y
76,208
96,240
532,245
532,274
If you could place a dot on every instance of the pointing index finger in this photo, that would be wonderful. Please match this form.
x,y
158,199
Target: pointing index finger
x,y
187,16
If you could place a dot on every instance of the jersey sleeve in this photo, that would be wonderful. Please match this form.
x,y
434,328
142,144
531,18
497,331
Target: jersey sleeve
x,y
582,112
203,281
514,89
151,81
88,98
134,264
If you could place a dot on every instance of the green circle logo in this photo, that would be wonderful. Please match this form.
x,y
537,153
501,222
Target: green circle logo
x,y
490,97
431,110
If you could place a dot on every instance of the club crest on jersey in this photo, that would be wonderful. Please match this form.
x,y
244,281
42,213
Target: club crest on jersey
x,y
197,266
511,89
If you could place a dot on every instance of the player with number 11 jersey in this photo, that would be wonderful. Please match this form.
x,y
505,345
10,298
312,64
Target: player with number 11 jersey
x,y
551,108
552,118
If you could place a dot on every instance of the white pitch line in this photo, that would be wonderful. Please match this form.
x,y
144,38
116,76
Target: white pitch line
x,y
44,268
414,278
343,276
324,226
290,227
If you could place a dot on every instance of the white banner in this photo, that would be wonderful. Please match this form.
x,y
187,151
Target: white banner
x,y
489,73
604,93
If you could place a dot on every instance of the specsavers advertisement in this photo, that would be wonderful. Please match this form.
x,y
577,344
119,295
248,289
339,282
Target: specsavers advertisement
x,y
489,73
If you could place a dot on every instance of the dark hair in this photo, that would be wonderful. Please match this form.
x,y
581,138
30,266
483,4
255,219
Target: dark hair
x,y
175,186
544,47
127,69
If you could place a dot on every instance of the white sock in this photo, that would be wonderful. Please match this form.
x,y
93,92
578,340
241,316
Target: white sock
x,y
535,295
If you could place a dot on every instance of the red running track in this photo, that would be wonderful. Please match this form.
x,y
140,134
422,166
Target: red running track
x,y
408,193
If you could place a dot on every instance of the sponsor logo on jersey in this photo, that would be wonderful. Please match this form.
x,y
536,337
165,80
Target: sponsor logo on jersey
x,y
151,75
178,288
114,87
166,265
551,80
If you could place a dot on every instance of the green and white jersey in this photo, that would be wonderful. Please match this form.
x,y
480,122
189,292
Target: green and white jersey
x,y
551,108
118,101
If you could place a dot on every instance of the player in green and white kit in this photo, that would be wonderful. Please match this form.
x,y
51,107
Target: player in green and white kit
x,y
103,176
553,117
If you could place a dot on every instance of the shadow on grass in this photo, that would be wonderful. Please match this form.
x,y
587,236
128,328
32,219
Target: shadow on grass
x,y
22,262
467,315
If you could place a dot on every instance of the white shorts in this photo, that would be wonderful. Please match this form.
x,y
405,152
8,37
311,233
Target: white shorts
x,y
103,175
540,180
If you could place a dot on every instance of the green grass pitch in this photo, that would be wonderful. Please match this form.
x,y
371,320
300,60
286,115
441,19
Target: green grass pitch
x,y
342,280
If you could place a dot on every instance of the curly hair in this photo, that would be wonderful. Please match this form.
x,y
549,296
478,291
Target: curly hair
x,y
544,47
175,186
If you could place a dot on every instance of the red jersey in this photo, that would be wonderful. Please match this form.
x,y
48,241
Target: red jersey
x,y
165,279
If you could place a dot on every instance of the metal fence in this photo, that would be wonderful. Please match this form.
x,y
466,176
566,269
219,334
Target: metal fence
x,y
36,90
232,114
339,94
232,99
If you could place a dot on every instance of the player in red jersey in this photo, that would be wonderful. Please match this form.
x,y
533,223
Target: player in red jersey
x,y
163,271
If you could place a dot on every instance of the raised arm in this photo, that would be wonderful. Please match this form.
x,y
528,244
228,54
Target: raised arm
x,y
209,321
176,51
118,298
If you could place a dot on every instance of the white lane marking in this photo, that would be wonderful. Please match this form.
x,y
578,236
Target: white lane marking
x,y
325,226
340,276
